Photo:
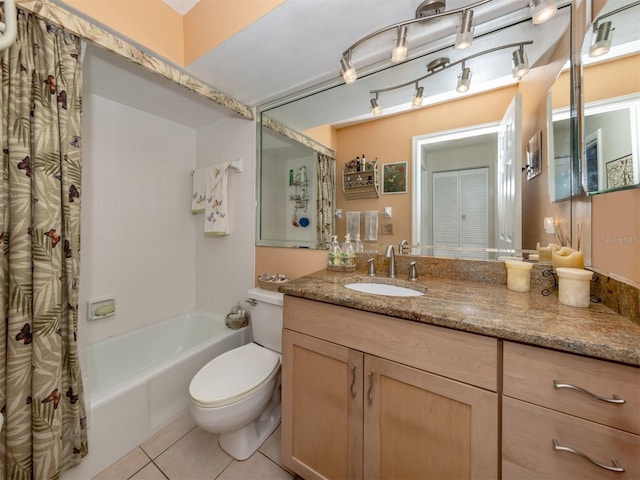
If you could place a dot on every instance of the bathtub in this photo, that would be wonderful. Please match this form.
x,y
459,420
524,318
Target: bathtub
x,y
138,382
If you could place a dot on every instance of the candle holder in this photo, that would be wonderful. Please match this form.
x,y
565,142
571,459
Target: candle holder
x,y
550,273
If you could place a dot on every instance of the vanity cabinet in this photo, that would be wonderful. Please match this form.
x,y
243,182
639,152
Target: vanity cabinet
x,y
563,414
370,396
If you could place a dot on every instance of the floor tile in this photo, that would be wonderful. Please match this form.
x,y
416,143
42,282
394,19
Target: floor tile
x,y
125,467
168,435
271,446
197,455
150,472
256,467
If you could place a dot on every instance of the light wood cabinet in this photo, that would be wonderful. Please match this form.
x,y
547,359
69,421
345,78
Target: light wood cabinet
x,y
364,405
559,409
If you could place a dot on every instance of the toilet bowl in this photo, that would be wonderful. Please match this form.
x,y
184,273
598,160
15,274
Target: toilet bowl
x,y
237,394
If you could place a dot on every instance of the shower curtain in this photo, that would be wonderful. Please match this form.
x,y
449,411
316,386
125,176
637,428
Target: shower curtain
x,y
41,394
326,202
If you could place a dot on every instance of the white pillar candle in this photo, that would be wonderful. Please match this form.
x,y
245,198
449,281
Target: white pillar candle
x,y
567,257
518,276
574,288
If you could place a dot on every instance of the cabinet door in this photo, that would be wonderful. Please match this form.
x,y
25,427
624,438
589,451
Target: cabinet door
x,y
321,408
420,425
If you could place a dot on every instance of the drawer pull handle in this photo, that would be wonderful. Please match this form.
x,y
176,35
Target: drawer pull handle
x,y
353,381
370,388
615,398
615,468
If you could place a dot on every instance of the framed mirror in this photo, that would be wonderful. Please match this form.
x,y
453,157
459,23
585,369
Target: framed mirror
x,y
343,109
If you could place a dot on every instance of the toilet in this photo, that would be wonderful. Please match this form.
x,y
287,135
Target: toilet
x,y
237,394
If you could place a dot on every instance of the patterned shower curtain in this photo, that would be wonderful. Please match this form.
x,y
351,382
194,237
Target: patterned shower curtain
x,y
326,199
41,393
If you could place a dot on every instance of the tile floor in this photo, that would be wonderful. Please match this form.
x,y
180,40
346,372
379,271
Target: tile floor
x,y
182,451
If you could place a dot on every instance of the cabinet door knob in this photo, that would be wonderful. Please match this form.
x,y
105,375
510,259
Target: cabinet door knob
x,y
370,388
615,465
353,381
614,398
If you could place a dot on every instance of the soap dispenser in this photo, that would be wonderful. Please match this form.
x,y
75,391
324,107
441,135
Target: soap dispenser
x,y
348,254
335,252
359,246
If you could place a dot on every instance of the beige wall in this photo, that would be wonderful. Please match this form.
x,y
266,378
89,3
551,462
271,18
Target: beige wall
x,y
616,233
180,39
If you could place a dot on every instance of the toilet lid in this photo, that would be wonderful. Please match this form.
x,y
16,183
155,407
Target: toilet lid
x,y
233,374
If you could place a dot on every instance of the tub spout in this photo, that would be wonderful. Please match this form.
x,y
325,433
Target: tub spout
x,y
390,254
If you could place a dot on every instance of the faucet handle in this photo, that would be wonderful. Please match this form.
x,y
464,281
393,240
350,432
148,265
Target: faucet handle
x,y
413,274
402,247
372,267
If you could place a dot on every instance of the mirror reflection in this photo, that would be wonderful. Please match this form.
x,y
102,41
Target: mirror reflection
x,y
345,110
610,51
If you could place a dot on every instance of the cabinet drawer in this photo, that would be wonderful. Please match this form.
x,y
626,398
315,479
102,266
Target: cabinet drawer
x,y
462,356
528,450
529,374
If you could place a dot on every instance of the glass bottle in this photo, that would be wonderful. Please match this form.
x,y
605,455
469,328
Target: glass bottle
x,y
335,252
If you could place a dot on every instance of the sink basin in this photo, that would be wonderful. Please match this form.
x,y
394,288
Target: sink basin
x,y
384,289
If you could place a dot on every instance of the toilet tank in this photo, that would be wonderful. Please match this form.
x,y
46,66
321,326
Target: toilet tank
x,y
266,318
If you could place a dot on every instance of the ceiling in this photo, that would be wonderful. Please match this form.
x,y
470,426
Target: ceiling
x,y
297,48
299,44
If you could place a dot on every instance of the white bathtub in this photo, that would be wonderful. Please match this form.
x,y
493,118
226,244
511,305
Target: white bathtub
x,y
138,382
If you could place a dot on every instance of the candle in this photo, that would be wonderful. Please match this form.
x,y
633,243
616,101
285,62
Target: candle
x,y
574,287
544,253
567,257
518,276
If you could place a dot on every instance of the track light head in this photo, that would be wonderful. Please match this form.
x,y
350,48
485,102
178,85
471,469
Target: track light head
x,y
376,109
399,53
417,98
601,39
520,63
348,72
464,38
542,10
464,80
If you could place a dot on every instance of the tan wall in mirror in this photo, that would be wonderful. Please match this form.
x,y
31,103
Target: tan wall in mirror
x,y
325,135
536,203
616,233
390,140
292,262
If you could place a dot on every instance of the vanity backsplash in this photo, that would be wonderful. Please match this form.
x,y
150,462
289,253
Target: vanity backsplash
x,y
620,295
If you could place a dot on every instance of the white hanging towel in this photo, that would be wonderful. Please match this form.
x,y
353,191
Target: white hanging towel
x,y
216,213
197,200
371,226
353,224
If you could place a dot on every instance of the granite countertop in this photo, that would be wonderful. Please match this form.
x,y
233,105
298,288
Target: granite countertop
x,y
487,309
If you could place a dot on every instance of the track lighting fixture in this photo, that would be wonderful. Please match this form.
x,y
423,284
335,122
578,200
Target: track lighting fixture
x,y
464,80
348,72
427,11
601,39
441,64
399,54
376,109
465,31
520,63
603,31
417,98
542,10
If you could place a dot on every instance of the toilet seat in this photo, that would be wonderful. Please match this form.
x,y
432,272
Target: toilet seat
x,y
234,375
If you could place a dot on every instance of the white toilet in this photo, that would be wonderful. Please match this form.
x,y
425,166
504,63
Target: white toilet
x,y
237,394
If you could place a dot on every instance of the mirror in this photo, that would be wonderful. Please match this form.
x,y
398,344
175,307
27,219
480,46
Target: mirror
x,y
611,159
345,109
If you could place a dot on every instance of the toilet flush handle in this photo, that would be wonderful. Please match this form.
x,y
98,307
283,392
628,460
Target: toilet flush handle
x,y
252,302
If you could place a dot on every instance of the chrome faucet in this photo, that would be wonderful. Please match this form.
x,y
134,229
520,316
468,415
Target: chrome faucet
x,y
401,248
372,267
390,254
